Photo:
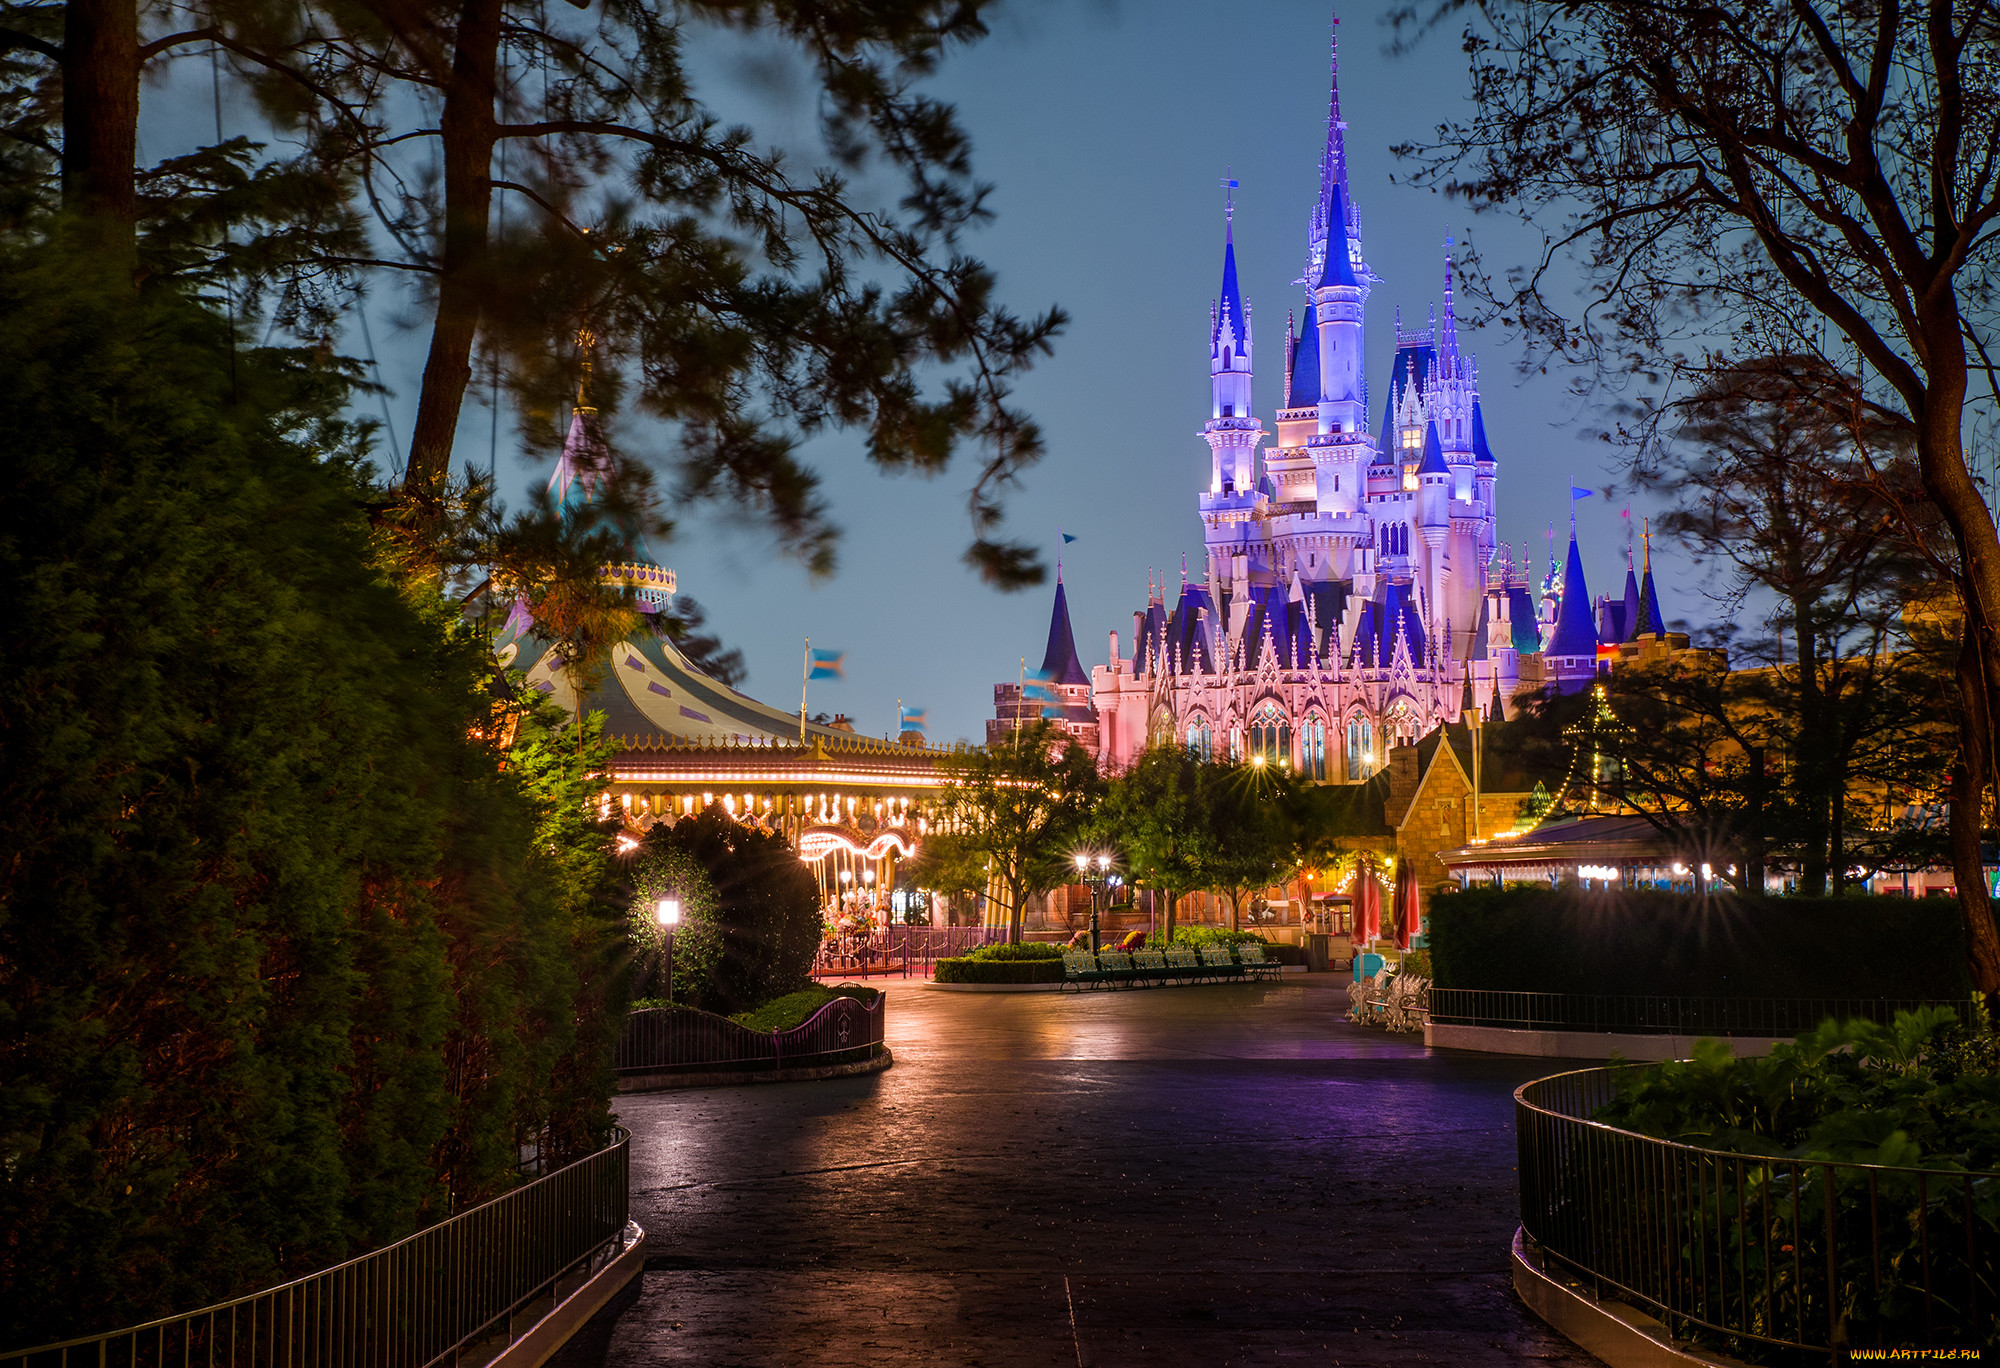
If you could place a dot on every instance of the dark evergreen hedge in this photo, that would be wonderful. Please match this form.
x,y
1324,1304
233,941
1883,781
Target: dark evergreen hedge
x,y
970,970
1565,941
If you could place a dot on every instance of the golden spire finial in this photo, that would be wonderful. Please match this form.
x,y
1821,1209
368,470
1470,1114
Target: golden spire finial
x,y
586,343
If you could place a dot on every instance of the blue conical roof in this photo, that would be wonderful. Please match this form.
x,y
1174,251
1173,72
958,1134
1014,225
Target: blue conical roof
x,y
1231,306
1433,463
1305,364
1338,269
1629,613
1575,635
1480,452
1059,662
1648,619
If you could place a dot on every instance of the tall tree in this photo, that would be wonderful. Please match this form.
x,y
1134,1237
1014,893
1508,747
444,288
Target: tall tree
x,y
1784,480
1153,817
1009,818
1811,176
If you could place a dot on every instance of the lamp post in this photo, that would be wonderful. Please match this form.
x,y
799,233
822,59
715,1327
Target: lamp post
x,y
669,913
1095,871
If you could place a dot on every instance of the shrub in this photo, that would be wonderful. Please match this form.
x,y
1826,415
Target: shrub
x,y
1026,950
1285,954
1198,936
1918,1093
796,1009
765,910
783,1013
1417,964
1537,939
970,970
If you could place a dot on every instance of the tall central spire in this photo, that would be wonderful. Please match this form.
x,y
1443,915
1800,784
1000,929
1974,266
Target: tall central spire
x,y
1333,215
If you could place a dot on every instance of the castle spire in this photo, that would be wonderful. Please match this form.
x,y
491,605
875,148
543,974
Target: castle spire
x,y
1331,219
1448,337
1649,623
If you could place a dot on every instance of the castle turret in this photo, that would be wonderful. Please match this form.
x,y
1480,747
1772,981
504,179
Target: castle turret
x,y
1571,655
1233,432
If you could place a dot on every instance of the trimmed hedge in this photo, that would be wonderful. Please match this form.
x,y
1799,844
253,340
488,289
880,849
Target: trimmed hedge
x,y
1026,950
1566,941
969,970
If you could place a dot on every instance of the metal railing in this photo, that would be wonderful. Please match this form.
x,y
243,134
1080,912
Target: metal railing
x,y
433,1298
1635,1015
1796,1257
682,1040
904,950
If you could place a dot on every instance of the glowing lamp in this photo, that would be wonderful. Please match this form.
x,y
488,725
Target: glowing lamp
x,y
668,911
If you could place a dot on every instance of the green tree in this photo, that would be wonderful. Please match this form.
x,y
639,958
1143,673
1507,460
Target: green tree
x,y
766,918
1248,814
1009,819
1800,177
1152,815
291,961
532,176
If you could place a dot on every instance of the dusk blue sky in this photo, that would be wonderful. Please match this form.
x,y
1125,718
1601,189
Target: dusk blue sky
x,y
1106,128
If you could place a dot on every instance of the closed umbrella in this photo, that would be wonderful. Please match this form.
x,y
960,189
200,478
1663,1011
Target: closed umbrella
x,y
1407,911
1367,904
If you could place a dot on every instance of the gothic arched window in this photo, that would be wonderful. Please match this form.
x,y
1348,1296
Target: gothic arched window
x,y
1200,740
1360,747
1312,748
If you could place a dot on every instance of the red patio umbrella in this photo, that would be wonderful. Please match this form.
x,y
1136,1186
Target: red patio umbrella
x,y
1367,904
1408,910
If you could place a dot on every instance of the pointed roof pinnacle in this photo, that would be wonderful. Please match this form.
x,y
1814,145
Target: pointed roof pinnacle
x,y
1230,306
1433,463
1059,662
1649,598
1448,340
1575,634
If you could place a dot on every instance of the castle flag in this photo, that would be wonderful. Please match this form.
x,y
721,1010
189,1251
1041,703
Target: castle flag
x,y
911,719
827,665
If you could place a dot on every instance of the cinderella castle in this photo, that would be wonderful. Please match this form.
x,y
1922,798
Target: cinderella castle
x,y
1355,593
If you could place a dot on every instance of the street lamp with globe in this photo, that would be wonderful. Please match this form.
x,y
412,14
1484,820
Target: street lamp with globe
x,y
1095,871
668,911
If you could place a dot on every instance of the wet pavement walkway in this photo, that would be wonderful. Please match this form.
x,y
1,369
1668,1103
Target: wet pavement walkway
x,y
1196,1176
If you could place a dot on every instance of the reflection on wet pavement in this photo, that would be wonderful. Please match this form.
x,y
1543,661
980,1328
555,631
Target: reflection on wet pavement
x,y
1210,1175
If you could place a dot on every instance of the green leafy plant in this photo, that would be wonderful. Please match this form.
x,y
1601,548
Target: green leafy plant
x,y
969,970
1022,950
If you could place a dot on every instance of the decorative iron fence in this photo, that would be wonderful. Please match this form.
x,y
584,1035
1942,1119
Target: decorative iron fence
x,y
682,1040
1697,1016
905,950
434,1298
1764,1256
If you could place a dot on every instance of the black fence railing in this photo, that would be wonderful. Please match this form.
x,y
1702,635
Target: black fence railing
x,y
1633,1015
911,951
457,1292
1786,1260
681,1040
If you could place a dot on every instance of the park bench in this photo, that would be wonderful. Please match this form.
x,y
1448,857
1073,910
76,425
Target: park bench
x,y
1151,966
1254,963
1219,963
1183,965
1080,970
1115,966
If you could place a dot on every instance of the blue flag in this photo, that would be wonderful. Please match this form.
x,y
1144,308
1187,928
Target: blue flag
x,y
1039,676
1576,493
912,719
1067,539
1040,693
1052,712
826,665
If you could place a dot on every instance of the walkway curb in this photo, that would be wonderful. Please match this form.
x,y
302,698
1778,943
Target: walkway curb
x,y
934,985
1618,1334
1648,1049
569,1315
727,1078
